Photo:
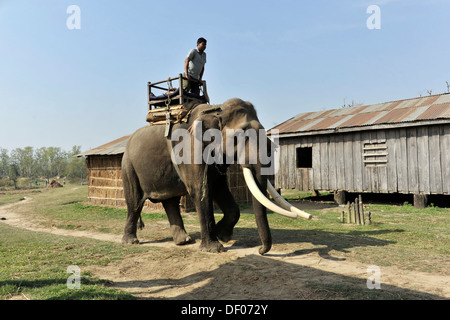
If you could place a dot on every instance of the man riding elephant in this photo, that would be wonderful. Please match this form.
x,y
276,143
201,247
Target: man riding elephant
x,y
194,66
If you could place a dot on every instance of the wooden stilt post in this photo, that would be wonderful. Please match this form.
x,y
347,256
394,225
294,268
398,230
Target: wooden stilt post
x,y
420,201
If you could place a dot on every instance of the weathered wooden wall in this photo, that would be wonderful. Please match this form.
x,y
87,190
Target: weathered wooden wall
x,y
106,187
416,160
237,185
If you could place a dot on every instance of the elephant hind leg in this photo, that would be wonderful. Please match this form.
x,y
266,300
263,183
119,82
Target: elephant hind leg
x,y
135,202
172,207
134,221
140,224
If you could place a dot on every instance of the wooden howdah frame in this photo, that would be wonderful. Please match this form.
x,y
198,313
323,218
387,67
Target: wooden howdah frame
x,y
171,104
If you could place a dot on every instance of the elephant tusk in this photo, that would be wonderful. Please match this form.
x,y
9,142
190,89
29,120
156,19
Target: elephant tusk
x,y
250,181
284,204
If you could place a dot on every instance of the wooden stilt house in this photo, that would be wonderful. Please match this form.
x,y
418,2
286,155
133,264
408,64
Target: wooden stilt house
x,y
392,147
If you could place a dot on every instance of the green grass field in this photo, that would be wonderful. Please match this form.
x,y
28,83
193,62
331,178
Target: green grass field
x,y
34,264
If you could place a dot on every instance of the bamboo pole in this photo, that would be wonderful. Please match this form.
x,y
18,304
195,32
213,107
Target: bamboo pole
x,y
357,211
349,214
361,210
353,213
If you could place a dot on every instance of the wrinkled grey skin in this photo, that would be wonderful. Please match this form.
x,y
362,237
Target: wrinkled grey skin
x,y
148,173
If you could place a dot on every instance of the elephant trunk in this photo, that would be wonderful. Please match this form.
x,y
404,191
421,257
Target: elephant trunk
x,y
256,183
260,211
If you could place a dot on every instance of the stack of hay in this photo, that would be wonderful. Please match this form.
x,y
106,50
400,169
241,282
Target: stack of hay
x,y
54,184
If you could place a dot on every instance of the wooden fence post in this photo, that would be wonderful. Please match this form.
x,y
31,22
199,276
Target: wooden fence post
x,y
369,218
361,210
349,213
357,211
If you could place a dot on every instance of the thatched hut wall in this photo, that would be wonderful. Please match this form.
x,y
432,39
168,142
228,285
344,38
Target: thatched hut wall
x,y
106,187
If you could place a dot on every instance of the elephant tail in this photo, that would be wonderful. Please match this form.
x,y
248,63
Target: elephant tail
x,y
141,224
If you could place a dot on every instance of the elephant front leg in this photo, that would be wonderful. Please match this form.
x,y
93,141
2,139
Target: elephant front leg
x,y
204,205
230,209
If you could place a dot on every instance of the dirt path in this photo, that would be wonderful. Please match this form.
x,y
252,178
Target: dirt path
x,y
181,272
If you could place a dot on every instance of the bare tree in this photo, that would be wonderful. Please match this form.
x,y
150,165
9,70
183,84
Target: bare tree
x,y
353,104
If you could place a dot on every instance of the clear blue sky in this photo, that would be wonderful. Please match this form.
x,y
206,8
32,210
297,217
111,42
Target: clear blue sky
x,y
61,87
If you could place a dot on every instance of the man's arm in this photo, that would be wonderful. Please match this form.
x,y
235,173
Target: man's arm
x,y
201,75
186,64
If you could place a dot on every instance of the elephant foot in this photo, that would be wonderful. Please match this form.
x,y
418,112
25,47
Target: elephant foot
x,y
183,239
130,239
224,235
212,246
180,236
264,249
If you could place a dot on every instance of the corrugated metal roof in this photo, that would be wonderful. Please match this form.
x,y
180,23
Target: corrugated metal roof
x,y
409,110
111,148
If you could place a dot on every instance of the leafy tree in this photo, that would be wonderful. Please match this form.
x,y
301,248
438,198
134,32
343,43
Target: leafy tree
x,y
23,158
14,174
4,163
76,167
42,163
45,162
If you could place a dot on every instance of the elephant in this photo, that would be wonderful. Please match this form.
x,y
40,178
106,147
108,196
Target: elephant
x,y
150,171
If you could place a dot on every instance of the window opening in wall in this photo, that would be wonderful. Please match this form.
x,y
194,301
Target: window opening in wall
x,y
375,154
304,157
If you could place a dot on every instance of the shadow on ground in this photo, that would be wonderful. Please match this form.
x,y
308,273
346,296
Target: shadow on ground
x,y
323,241
270,277
262,278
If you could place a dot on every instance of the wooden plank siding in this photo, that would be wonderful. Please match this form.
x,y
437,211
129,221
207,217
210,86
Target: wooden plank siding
x,y
413,172
413,159
444,143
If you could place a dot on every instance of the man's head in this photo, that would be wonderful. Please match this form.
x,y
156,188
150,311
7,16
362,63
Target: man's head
x,y
201,44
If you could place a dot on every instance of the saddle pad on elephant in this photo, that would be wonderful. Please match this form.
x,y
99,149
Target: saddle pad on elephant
x,y
159,115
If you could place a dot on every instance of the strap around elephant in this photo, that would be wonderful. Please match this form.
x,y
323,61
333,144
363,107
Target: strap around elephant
x,y
175,165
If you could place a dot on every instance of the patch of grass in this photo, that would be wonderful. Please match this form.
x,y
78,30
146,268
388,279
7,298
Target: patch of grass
x,y
34,265
292,194
66,208
401,236
7,197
